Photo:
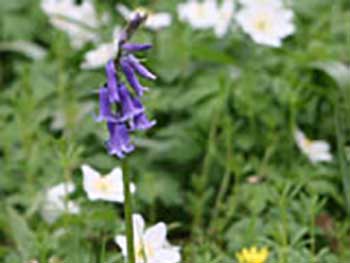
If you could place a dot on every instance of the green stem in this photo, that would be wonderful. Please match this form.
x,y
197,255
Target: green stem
x,y
226,178
128,213
204,177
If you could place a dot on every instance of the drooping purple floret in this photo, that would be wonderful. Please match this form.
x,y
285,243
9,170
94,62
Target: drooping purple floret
x,y
119,141
105,107
141,123
139,68
112,82
131,107
135,47
132,78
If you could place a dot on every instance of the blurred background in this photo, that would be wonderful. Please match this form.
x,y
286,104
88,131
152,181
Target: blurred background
x,y
222,167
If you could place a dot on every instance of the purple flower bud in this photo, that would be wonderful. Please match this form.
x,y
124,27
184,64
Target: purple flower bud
x,y
134,47
136,20
112,82
139,68
119,141
131,107
132,78
105,107
141,122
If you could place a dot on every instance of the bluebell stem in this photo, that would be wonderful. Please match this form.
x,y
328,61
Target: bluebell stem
x,y
123,111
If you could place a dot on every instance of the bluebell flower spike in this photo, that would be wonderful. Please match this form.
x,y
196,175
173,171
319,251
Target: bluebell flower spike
x,y
120,108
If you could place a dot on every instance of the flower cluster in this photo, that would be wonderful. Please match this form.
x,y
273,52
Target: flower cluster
x,y
151,245
207,14
315,150
56,203
119,107
80,22
266,21
108,188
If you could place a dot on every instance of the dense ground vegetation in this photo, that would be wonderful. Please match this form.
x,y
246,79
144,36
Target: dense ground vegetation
x,y
221,167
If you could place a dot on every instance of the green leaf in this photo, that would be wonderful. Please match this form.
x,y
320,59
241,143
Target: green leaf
x,y
336,70
22,235
172,53
26,48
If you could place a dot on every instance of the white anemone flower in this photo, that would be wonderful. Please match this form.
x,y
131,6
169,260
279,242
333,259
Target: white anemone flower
x,y
267,25
56,202
200,15
154,21
277,3
224,18
151,245
99,56
316,151
80,22
109,188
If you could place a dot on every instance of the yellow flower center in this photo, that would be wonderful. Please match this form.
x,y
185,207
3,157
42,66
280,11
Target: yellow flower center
x,y
307,143
253,255
103,185
262,24
144,252
200,12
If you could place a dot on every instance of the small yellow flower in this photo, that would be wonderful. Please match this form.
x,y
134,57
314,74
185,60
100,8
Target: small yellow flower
x,y
253,255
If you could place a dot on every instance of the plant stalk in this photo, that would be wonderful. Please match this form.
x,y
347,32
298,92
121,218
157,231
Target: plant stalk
x,y
128,213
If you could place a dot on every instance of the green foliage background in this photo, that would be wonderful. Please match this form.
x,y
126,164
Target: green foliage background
x,y
226,111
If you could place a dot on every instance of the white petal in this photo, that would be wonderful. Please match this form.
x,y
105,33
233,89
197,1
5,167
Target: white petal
x,y
124,11
139,226
121,242
91,177
158,21
132,188
167,256
60,191
73,207
320,146
320,157
156,235
50,212
117,174
98,57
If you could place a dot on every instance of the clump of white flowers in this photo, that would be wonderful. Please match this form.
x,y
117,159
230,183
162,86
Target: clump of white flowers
x,y
151,245
207,14
108,188
56,202
267,22
316,151
278,3
80,22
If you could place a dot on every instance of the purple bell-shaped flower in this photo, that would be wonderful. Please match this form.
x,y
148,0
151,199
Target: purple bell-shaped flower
x,y
119,141
131,106
112,82
141,123
132,78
